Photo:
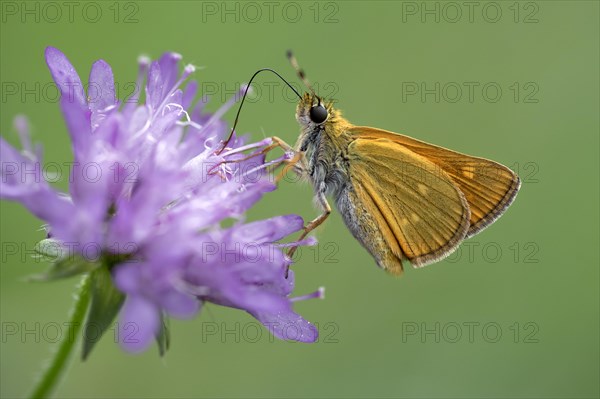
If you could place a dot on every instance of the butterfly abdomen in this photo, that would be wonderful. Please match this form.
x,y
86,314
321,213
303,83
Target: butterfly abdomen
x,y
368,230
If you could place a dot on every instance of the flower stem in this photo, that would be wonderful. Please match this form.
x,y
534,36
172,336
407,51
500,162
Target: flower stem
x,y
58,365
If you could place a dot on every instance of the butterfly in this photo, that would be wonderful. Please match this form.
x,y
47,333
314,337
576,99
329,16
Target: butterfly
x,y
401,198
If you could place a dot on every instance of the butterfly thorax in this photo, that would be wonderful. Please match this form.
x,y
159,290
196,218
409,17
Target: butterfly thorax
x,y
324,147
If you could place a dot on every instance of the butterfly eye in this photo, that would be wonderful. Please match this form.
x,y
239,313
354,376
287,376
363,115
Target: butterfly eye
x,y
318,114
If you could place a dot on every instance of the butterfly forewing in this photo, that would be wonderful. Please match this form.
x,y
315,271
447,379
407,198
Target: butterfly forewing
x,y
488,186
425,214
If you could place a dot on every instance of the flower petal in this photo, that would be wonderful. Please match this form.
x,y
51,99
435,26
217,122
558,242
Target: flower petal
x,y
66,77
288,326
180,305
72,100
168,68
139,324
189,94
22,181
269,230
101,91
154,86
78,122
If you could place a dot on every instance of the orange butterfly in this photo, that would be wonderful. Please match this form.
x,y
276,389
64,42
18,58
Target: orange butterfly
x,y
402,199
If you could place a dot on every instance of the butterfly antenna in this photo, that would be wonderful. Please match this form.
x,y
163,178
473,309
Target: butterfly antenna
x,y
300,71
237,115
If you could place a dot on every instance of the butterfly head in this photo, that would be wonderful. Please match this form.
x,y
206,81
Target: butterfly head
x,y
312,111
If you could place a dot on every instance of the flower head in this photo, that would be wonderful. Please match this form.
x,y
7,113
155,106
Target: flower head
x,y
149,190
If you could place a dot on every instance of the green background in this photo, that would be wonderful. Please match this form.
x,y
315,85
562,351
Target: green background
x,y
537,265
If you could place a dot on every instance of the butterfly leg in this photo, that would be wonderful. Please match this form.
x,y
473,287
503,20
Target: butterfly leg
x,y
322,201
291,163
277,142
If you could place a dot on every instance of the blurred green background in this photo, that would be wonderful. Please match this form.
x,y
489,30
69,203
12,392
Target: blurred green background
x,y
523,295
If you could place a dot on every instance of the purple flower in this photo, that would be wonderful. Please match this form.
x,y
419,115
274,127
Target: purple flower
x,y
149,190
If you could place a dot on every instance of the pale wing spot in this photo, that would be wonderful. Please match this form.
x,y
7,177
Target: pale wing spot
x,y
422,188
468,173
415,218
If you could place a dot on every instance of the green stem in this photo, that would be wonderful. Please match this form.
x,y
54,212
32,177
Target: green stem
x,y
58,365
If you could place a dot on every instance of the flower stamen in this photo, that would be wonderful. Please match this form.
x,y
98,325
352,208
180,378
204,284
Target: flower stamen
x,y
318,294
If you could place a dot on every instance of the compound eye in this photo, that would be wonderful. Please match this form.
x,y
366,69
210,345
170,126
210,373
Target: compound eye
x,y
318,114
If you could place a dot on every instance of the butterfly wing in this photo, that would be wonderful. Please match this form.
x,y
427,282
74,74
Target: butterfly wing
x,y
418,211
488,186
